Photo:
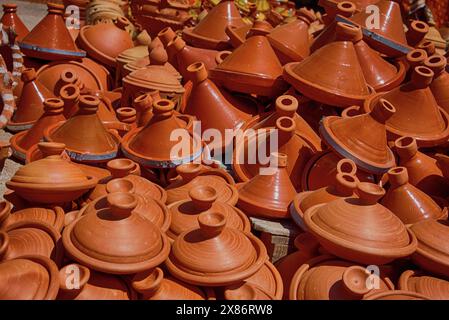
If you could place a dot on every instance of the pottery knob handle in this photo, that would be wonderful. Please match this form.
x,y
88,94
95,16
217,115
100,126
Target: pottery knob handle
x,y
369,193
406,147
306,15
286,105
188,171
51,148
149,282
428,47
121,167
73,277
158,56
55,8
122,22
422,77
88,103
416,57
143,102
166,35
398,176
347,32
53,105
346,184
9,7
437,63
127,115
163,106
68,76
416,32
286,127
346,8
120,185
175,45
203,197
279,160
356,281
221,56
121,204
197,72
69,93
28,74
383,110
211,223
143,38
346,166
4,243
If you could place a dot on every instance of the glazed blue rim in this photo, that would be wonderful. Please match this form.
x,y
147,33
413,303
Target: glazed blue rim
x,y
80,53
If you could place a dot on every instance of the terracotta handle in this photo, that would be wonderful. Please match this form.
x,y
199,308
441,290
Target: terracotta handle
x,y
416,57
88,104
28,74
51,148
397,176
306,15
122,22
55,8
67,273
278,159
260,28
121,204
347,32
286,127
127,115
346,184
166,35
120,185
4,243
143,38
53,105
383,110
121,167
416,32
355,281
175,45
211,223
203,197
197,72
286,105
351,111
163,106
406,147
437,63
369,193
219,58
143,102
68,76
158,56
148,283
346,8
428,47
9,7
234,38
346,166
69,93
422,77
188,171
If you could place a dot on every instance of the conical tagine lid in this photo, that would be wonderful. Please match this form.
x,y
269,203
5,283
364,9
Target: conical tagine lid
x,y
214,254
11,19
115,239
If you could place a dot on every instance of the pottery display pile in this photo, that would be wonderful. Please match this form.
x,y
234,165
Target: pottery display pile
x,y
106,197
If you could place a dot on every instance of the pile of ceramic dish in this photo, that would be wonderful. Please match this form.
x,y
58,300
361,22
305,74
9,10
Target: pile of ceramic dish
x,y
106,205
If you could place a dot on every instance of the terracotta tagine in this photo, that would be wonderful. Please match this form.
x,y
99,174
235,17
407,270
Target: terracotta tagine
x,y
154,285
31,277
214,254
415,281
92,285
343,187
338,58
50,39
415,99
158,153
440,80
269,193
116,239
432,253
362,138
51,179
105,41
397,295
93,143
23,141
360,229
408,202
11,19
326,278
209,33
31,103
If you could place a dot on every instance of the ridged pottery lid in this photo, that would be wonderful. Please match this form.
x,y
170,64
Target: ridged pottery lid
x,y
116,240
132,54
50,39
360,229
434,288
11,19
397,295
52,215
214,254
154,77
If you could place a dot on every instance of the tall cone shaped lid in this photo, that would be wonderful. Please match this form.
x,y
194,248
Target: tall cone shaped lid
x,y
417,112
209,33
331,75
362,138
252,68
50,39
11,19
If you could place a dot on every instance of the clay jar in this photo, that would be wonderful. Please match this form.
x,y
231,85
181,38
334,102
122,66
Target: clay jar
x,y
408,202
203,198
214,254
415,281
92,285
367,233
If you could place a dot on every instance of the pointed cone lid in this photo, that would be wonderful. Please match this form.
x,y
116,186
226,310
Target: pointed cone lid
x,y
31,103
50,39
247,72
414,100
84,134
209,33
315,76
270,193
116,239
360,229
362,138
11,19
214,254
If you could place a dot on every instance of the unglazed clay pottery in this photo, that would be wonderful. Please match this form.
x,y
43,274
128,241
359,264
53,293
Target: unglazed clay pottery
x,y
105,41
269,193
116,239
362,138
432,253
192,175
434,288
246,291
51,179
23,141
30,277
214,254
209,33
92,285
11,19
203,198
414,100
247,72
440,80
337,58
397,295
165,36
154,285
31,102
360,229
152,146
360,5
92,143
408,202
326,278
144,107
50,39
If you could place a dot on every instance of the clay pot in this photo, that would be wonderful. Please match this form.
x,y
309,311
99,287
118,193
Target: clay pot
x,y
343,187
408,202
338,57
11,19
415,281
440,80
137,244
415,100
326,278
105,41
157,152
417,30
432,253
93,143
30,277
269,193
50,180
362,138
92,285
367,233
198,256
23,141
50,39
154,285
